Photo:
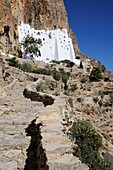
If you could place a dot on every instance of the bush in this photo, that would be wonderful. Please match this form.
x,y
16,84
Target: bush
x,y
70,100
66,93
111,97
68,63
89,143
95,99
57,75
65,78
83,80
73,87
13,62
96,74
26,67
43,71
56,62
44,86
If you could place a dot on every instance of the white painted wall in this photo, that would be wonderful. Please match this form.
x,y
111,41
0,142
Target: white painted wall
x,y
56,45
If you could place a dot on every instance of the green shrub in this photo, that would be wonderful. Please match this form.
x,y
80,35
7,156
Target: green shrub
x,y
26,67
95,99
42,71
111,97
73,87
57,75
56,62
66,93
13,62
41,87
14,35
65,78
68,63
70,100
89,143
83,80
96,74
44,86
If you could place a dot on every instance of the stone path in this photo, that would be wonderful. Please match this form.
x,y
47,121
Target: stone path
x,y
16,113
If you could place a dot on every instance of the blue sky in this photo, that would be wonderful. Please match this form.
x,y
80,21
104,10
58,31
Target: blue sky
x,y
92,23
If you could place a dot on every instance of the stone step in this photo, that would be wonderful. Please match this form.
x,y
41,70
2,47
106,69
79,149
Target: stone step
x,y
17,113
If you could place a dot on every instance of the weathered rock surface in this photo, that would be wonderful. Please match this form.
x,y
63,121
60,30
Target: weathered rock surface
x,y
16,114
90,100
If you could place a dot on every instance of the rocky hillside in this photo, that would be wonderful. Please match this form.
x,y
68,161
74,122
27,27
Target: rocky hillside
x,y
39,14
39,98
59,113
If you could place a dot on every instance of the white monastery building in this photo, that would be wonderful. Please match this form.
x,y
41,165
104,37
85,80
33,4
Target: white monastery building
x,y
56,45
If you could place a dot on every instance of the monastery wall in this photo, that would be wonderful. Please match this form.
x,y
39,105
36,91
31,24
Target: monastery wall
x,y
56,45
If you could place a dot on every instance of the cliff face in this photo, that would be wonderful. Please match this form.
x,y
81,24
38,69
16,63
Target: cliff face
x,y
39,14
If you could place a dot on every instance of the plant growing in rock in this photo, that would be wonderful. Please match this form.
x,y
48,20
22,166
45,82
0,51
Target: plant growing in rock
x,y
27,67
56,62
68,63
73,87
44,86
57,75
111,97
83,80
89,142
65,78
96,74
70,100
13,62
42,71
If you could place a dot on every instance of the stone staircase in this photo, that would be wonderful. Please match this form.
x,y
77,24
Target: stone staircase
x,y
16,113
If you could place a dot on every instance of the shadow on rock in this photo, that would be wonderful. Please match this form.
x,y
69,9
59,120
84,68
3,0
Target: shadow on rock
x,y
36,156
